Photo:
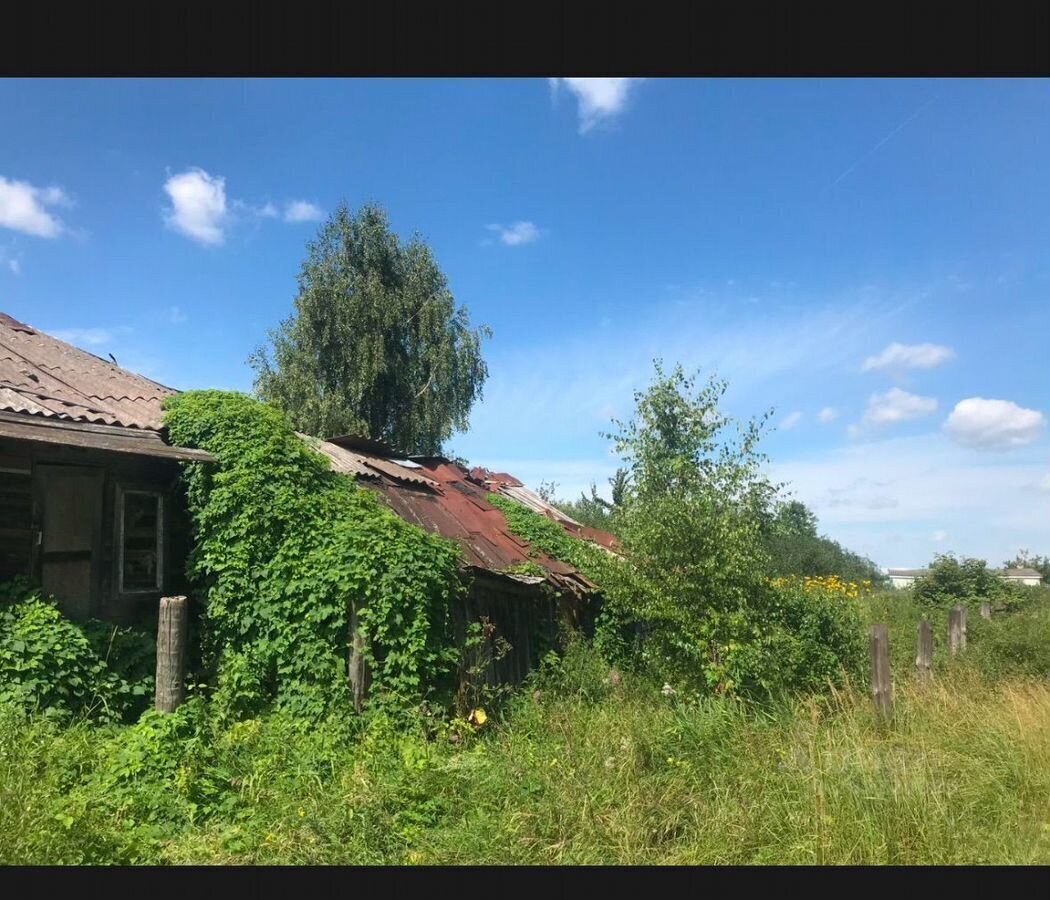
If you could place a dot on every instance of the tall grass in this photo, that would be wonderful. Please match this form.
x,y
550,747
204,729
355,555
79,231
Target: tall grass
x,y
579,769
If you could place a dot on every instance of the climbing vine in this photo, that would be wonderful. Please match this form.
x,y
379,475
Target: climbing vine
x,y
283,547
552,539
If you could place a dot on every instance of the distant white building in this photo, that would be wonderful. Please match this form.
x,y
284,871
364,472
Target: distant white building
x,y
903,578
1021,576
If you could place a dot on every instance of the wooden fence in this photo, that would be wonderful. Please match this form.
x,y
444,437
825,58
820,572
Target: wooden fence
x,y
881,679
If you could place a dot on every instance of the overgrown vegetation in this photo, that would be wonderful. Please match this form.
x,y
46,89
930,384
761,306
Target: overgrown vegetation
x,y
790,537
690,602
284,548
719,716
588,765
950,581
51,665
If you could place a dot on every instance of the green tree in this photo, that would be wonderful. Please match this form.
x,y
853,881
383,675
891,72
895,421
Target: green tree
x,y
795,548
950,580
376,343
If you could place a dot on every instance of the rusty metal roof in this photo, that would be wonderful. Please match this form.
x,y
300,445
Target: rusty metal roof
x,y
509,486
43,376
443,498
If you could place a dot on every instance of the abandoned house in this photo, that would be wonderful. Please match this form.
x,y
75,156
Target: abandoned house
x,y
90,506
442,497
88,499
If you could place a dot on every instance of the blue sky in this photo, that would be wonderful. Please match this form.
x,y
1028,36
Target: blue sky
x,y
870,258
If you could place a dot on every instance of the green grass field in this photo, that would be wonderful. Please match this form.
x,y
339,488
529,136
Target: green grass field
x,y
584,771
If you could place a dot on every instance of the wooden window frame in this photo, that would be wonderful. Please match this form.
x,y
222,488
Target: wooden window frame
x,y
122,492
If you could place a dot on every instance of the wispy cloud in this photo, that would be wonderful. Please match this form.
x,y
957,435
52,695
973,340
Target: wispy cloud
x,y
175,315
909,356
10,261
198,206
599,99
302,211
85,337
887,499
515,234
25,208
828,414
993,424
864,156
790,420
891,408
552,394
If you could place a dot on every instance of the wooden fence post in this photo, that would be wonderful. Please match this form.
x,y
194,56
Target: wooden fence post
x,y
172,628
986,610
924,658
359,674
881,682
957,630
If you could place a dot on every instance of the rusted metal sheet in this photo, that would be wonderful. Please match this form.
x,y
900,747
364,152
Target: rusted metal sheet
x,y
444,500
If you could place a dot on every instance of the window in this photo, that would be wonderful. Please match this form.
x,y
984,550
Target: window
x,y
16,524
141,541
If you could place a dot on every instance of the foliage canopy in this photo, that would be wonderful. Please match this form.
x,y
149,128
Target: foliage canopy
x,y
376,344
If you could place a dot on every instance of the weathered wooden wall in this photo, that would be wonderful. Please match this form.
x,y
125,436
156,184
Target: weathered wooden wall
x,y
22,511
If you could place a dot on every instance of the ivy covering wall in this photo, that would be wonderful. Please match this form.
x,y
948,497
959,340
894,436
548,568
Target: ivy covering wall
x,y
283,547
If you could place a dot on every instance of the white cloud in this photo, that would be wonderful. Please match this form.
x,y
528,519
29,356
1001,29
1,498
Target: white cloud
x,y
828,414
599,99
791,420
22,208
268,211
516,234
909,356
888,499
1044,483
84,337
302,211
175,315
940,536
993,424
897,406
198,207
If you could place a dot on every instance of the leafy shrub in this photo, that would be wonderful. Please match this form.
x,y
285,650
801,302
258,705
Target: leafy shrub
x,y
47,663
284,547
689,603
131,654
951,581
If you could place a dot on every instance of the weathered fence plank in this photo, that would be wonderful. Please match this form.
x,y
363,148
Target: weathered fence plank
x,y
924,657
957,630
986,610
172,630
359,674
881,682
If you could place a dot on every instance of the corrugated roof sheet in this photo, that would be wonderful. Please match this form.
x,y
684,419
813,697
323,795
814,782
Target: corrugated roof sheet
x,y
443,498
509,486
43,376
